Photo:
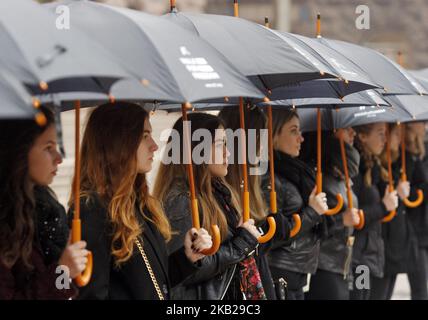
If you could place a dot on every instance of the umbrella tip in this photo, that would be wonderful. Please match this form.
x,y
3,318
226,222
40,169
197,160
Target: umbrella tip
x,y
111,98
226,99
267,25
43,85
322,73
188,106
145,82
40,119
266,99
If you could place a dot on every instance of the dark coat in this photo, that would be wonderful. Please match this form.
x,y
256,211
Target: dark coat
x,y
300,254
51,234
401,252
336,249
369,248
132,280
419,216
19,283
218,272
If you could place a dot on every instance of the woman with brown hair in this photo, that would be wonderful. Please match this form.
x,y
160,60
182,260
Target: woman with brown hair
x,y
33,228
296,193
369,248
231,272
255,122
124,226
398,234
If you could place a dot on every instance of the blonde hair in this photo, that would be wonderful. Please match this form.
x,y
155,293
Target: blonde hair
x,y
109,169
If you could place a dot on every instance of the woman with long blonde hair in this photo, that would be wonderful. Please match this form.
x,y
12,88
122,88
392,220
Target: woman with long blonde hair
x,y
124,226
231,272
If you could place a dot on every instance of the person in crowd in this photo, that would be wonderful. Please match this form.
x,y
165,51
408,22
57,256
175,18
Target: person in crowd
x,y
231,273
330,282
296,193
124,226
255,121
369,251
34,236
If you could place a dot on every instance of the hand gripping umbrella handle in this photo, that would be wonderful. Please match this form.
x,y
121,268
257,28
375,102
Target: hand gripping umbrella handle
x,y
360,225
76,235
215,234
415,203
297,225
338,207
271,232
392,213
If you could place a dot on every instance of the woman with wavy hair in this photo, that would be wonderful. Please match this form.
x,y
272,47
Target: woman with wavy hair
x,y
255,122
231,272
124,226
33,225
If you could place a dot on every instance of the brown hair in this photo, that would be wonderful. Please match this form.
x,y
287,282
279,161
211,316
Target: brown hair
x,y
281,117
17,199
395,154
415,141
209,208
369,159
109,168
254,119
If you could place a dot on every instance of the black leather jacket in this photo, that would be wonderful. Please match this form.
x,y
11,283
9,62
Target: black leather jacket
x,y
300,254
369,247
336,252
216,272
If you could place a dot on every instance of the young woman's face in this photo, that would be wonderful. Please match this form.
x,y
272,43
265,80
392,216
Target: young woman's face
x,y
395,136
146,149
44,158
375,140
348,135
289,139
219,154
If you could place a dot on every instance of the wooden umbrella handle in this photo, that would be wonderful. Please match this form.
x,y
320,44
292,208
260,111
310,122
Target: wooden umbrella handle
x,y
339,197
392,213
215,231
297,225
360,225
76,226
271,232
408,203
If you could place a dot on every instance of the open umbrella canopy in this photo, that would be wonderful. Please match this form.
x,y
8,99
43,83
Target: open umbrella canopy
x,y
181,66
384,72
37,53
267,58
404,108
16,102
353,78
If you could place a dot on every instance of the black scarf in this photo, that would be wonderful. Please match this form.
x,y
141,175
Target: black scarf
x,y
297,172
224,199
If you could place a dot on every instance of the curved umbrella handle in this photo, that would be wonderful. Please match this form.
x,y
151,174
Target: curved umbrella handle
x,y
390,216
76,235
360,225
271,232
297,225
338,207
415,203
215,231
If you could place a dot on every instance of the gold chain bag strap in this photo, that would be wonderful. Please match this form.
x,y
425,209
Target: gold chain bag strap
x,y
149,268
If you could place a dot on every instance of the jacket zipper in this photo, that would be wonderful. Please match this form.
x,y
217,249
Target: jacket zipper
x,y
228,284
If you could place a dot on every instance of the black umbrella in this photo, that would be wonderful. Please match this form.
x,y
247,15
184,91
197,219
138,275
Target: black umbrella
x,y
40,55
